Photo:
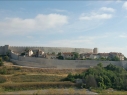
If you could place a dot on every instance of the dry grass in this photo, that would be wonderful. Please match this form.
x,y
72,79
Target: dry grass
x,y
25,70
107,92
71,91
50,91
2,79
36,78
35,85
23,78
52,71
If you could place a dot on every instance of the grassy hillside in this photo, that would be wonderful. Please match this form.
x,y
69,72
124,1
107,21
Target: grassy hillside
x,y
13,78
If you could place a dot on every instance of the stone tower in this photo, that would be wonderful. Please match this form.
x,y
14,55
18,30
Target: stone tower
x,y
6,47
95,50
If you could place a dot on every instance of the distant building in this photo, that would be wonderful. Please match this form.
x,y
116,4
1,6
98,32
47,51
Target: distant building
x,y
67,55
51,56
116,54
103,55
106,56
95,50
40,53
85,55
29,53
94,56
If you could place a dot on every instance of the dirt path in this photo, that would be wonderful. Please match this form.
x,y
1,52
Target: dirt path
x,y
8,63
53,91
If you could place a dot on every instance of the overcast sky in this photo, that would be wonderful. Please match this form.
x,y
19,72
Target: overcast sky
x,y
83,24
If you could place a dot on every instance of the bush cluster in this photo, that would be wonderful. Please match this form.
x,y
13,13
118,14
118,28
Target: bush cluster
x,y
6,58
110,76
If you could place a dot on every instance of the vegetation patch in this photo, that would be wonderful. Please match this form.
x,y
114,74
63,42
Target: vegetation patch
x,y
1,61
6,70
101,77
2,79
36,85
18,70
36,78
109,91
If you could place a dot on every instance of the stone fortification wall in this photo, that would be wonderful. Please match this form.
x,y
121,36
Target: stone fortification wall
x,y
4,49
124,64
51,49
14,56
54,63
1,50
62,64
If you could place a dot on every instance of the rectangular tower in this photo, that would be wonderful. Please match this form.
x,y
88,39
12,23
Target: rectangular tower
x,y
6,48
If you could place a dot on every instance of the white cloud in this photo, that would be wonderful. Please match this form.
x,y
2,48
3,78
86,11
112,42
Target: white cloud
x,y
58,10
93,37
79,42
40,22
118,1
107,9
125,5
123,36
29,37
95,16
70,43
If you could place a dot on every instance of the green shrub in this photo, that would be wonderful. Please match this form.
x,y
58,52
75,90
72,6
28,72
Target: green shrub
x,y
3,70
1,62
2,79
6,58
22,54
111,76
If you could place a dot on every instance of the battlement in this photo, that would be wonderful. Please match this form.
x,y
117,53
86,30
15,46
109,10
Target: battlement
x,y
20,49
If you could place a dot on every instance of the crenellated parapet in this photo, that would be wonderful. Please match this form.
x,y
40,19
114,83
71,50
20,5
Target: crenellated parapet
x,y
51,49
20,49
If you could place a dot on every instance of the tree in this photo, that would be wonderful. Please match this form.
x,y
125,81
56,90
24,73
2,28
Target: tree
x,y
100,81
53,53
90,81
110,76
27,49
59,54
70,77
100,65
1,62
102,58
107,81
6,58
115,58
60,57
108,58
125,58
76,55
22,54
8,53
